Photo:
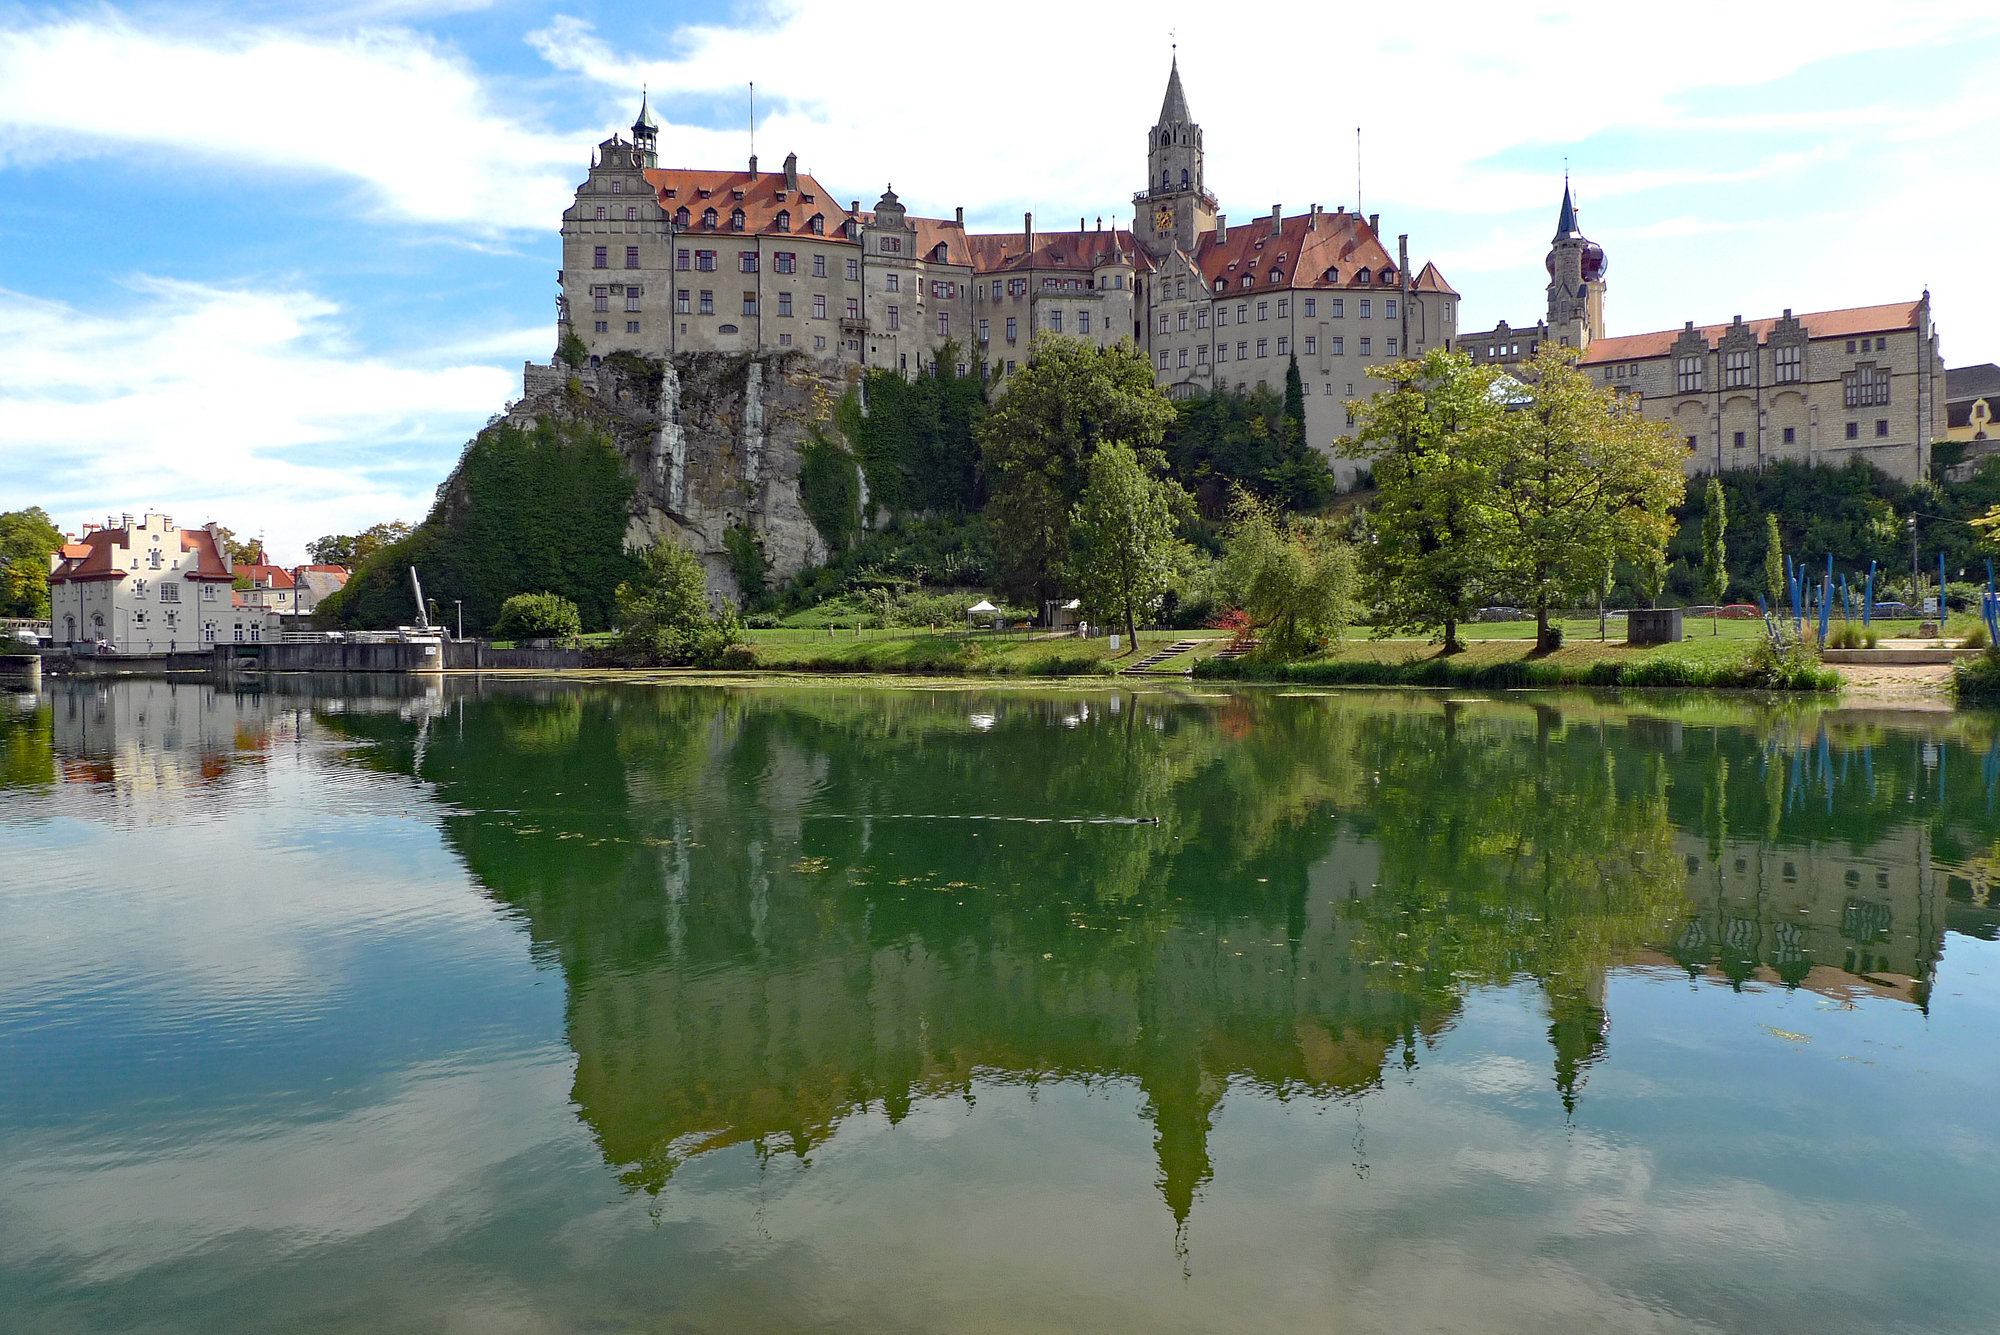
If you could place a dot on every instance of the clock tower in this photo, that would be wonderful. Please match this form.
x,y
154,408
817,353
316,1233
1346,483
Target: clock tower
x,y
1175,207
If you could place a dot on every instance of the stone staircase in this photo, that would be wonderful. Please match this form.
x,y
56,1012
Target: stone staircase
x,y
1229,651
1149,666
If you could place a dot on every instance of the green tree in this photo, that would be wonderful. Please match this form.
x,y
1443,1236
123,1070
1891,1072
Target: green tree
x,y
1223,440
240,553
351,549
1124,551
538,616
1434,438
664,611
1580,480
1714,549
1774,565
570,350
1295,580
1038,439
27,539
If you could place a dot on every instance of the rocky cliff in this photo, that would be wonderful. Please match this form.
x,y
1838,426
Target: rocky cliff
x,y
712,440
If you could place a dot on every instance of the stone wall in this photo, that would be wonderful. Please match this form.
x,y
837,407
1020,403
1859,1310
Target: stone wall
x,y
713,441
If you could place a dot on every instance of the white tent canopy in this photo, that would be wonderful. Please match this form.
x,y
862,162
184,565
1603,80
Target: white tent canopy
x,y
982,606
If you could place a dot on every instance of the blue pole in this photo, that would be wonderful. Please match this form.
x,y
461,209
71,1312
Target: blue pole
x,y
1942,611
1868,597
1825,607
1846,600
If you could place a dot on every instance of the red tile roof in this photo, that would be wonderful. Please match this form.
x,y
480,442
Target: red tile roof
x,y
1323,250
209,564
266,576
90,559
764,197
1818,324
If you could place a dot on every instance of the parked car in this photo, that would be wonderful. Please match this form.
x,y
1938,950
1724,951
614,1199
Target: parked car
x,y
1893,611
1503,614
1738,611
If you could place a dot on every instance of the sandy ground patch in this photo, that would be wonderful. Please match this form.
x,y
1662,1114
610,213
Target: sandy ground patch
x,y
1903,686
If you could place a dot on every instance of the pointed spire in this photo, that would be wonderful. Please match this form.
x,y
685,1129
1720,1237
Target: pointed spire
x,y
1566,224
645,113
1175,108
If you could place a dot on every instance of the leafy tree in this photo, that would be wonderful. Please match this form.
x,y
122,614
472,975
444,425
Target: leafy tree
x,y
1580,480
746,556
1296,581
27,539
525,511
1223,440
570,349
538,616
1122,531
1714,549
1774,565
1038,439
917,443
1435,440
351,549
240,553
664,611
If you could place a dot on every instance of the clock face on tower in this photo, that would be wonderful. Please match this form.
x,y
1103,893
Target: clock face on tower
x,y
1163,220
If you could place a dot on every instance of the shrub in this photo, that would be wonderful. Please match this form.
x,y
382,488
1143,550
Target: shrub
x,y
761,621
665,614
746,555
538,616
1976,639
736,657
1976,681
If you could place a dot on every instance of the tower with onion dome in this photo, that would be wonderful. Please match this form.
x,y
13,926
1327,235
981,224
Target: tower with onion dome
x,y
1576,282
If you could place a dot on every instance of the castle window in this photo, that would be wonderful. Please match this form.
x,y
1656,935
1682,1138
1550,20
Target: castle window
x,y
1263,309
819,266
1689,374
895,318
784,262
853,270
708,217
707,302
1221,317
894,282
681,216
631,326
892,245
1850,345
1243,351
736,220
631,257
749,303
1361,277
784,220
632,298
819,306
1222,352
1243,312
604,327
1881,426
1364,347
784,340
1201,318
853,309
1055,321
1201,355
600,213
1184,178
1083,322
704,260
944,324
1284,346
681,301
1735,370
1163,322
819,342
1283,307
1737,440
1389,309
1180,321
1312,345
1391,346
1366,310
784,303
1248,279
1010,329
1866,387
1790,364
600,300
1791,435
1854,431
1163,359
984,328
817,224
600,258
617,187
1339,308
1183,357
1691,444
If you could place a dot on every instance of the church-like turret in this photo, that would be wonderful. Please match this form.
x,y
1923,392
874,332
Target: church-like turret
x,y
646,135
1175,206
1576,267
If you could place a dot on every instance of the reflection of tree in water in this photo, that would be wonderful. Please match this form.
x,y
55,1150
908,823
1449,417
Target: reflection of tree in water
x,y
776,908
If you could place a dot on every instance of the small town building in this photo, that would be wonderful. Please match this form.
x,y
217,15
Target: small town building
x,y
148,587
1972,405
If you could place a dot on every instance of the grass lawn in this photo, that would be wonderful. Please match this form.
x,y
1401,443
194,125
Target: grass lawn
x,y
956,652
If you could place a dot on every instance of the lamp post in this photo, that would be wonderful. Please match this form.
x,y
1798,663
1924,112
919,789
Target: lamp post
x,y
1915,596
459,603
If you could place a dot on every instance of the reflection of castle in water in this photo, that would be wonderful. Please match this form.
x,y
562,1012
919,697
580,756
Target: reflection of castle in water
x,y
775,910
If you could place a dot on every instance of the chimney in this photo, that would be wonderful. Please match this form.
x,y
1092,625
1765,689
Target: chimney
x,y
1375,223
1221,228
1100,222
1312,219
1788,312
1028,231
961,217
791,171
753,166
1277,220
125,521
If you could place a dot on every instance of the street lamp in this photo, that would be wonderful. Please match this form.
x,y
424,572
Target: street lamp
x,y
459,603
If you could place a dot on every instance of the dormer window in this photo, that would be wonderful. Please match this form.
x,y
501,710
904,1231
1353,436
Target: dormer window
x,y
681,216
736,220
807,198
705,191
1361,277
736,194
1277,275
1386,277
672,192
1332,275
817,224
708,217
780,196
784,220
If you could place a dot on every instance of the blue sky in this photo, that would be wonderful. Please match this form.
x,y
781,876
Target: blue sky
x,y
271,264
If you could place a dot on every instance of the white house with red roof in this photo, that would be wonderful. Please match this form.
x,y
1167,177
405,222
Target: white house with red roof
x,y
148,587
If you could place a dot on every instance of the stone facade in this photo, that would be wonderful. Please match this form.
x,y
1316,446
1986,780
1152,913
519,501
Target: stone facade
x,y
1819,388
146,587
667,261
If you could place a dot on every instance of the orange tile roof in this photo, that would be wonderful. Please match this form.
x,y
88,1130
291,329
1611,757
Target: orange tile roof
x,y
268,576
209,563
90,559
1007,252
681,187
1324,250
1818,324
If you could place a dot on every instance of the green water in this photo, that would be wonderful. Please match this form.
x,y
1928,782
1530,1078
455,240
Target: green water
x,y
351,1007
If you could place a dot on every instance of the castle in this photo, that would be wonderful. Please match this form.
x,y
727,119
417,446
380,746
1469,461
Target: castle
x,y
1825,387
660,260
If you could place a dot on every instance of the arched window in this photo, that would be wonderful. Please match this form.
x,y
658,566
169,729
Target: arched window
x,y
1166,180
681,216
784,220
1184,178
736,220
708,217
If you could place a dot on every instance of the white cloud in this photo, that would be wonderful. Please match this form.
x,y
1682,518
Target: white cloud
x,y
244,406
387,107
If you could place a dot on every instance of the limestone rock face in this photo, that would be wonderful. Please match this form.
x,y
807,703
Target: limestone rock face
x,y
712,440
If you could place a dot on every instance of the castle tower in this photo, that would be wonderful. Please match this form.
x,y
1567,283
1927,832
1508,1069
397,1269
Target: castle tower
x,y
1175,207
646,135
1576,282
